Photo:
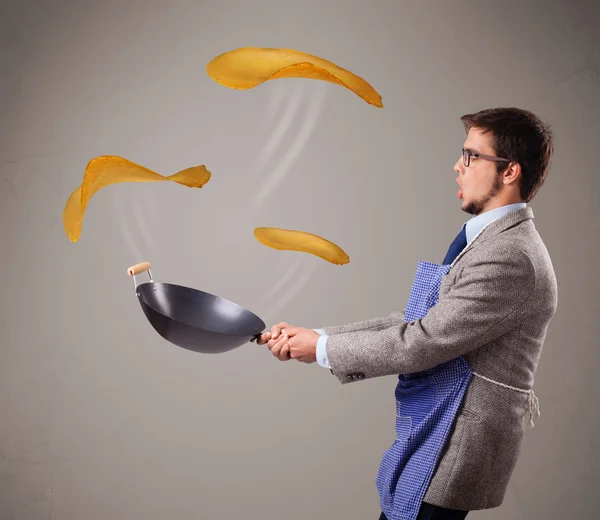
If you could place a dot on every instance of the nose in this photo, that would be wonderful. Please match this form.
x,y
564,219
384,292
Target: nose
x,y
458,165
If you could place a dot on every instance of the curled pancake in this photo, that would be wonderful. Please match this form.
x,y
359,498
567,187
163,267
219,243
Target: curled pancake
x,y
294,240
109,169
247,67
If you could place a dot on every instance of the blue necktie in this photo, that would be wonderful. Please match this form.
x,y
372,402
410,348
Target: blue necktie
x,y
456,247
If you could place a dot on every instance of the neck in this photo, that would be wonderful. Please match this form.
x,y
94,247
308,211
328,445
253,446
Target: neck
x,y
498,202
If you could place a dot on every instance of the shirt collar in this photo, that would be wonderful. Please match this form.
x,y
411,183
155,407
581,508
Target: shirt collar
x,y
478,222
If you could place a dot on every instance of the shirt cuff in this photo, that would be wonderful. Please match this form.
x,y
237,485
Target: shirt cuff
x,y
321,349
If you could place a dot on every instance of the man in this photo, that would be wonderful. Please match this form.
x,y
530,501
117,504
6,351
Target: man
x,y
467,345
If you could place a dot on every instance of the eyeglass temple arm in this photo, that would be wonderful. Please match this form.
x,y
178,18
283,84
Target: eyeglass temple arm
x,y
490,157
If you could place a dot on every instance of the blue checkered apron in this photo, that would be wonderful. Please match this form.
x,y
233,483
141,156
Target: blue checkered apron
x,y
426,407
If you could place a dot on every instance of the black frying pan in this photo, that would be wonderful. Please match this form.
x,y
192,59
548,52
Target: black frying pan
x,y
193,319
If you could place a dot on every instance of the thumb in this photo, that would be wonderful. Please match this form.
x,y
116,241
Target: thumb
x,y
291,331
276,329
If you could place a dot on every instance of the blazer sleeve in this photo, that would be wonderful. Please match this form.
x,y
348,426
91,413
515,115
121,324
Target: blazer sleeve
x,y
379,323
481,305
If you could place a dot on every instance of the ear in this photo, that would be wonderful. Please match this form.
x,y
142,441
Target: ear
x,y
512,173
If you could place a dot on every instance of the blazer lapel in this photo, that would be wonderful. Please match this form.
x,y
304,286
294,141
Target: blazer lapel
x,y
497,226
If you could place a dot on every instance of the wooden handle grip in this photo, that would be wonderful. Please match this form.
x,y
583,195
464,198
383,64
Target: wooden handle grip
x,y
139,268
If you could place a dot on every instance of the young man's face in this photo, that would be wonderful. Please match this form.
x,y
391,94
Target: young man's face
x,y
479,183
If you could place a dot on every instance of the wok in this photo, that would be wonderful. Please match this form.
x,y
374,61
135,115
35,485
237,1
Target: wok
x,y
194,319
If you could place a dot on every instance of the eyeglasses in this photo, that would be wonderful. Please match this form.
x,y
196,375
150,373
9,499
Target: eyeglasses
x,y
467,154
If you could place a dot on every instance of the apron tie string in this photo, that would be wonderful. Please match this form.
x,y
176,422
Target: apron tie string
x,y
532,400
534,407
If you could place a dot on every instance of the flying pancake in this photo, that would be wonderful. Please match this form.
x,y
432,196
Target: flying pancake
x,y
247,67
294,240
109,169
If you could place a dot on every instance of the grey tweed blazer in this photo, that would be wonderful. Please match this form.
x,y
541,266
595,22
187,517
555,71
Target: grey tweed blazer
x,y
494,309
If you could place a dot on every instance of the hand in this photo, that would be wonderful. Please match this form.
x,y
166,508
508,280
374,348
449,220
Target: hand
x,y
271,334
288,342
276,336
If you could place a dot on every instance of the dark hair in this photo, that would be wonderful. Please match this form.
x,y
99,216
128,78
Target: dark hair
x,y
517,135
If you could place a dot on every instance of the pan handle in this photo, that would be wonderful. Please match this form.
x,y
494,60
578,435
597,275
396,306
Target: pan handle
x,y
140,268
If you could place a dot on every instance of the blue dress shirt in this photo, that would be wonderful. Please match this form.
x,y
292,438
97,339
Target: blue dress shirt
x,y
474,226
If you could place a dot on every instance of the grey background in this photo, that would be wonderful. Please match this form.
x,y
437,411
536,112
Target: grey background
x,y
102,419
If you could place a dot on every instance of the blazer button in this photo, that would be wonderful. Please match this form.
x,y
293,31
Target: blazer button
x,y
355,375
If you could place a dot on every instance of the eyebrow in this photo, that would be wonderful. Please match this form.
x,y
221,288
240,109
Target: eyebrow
x,y
472,150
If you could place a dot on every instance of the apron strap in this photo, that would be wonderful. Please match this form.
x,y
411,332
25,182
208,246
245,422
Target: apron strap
x,y
532,400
